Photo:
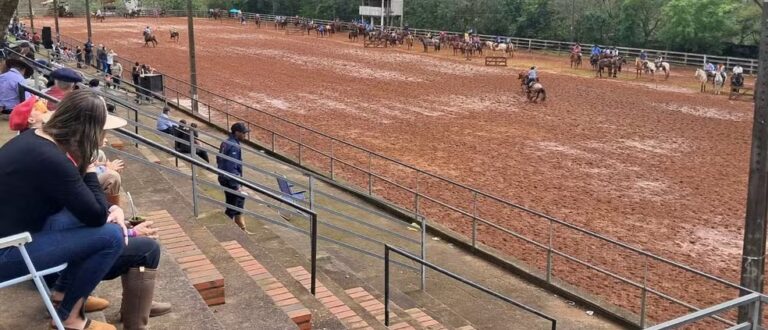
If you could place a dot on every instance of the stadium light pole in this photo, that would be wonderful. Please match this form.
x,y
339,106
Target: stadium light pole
x,y
753,256
88,19
192,66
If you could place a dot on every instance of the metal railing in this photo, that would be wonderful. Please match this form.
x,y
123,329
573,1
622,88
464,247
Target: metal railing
x,y
215,104
388,249
753,323
198,163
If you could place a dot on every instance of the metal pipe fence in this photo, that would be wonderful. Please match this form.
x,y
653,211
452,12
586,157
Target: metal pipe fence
x,y
280,130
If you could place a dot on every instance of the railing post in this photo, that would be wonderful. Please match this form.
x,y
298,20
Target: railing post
x,y
386,285
332,159
311,192
300,144
370,177
136,128
192,153
685,59
423,238
313,252
474,219
273,141
549,253
644,294
529,45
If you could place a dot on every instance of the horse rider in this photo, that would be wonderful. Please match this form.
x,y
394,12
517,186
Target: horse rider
x,y
710,69
643,56
498,39
595,50
614,52
148,30
576,49
533,76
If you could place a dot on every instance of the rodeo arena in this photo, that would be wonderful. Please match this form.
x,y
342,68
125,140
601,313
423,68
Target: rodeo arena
x,y
243,170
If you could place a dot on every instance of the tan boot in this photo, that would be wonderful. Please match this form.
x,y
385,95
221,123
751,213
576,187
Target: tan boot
x,y
159,308
241,223
138,289
92,304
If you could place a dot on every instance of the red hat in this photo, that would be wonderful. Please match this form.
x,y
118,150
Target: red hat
x,y
19,118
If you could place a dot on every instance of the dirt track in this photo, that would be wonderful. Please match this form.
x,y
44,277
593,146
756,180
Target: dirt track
x,y
655,165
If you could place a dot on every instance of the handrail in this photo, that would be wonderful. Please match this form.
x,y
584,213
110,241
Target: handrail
x,y
208,167
388,249
755,298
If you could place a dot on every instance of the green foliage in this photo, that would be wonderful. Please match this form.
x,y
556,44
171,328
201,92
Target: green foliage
x,y
683,25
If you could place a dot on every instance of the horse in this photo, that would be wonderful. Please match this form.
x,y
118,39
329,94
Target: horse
x,y
604,63
150,37
175,35
639,67
426,42
575,60
593,60
409,41
353,34
701,76
719,82
257,21
534,91
99,17
663,66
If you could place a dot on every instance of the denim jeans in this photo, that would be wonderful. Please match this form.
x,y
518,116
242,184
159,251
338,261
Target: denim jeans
x,y
89,252
140,252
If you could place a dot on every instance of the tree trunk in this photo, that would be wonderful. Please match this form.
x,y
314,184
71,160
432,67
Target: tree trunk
x,y
7,9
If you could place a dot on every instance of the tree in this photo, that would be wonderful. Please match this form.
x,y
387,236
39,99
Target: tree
x,y
640,20
7,9
697,25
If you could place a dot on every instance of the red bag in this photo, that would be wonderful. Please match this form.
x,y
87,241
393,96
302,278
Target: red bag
x,y
19,118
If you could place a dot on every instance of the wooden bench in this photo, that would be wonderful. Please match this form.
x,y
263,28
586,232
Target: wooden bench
x,y
495,61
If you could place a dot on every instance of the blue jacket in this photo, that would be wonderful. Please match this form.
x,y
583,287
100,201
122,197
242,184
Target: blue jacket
x,y
230,148
595,50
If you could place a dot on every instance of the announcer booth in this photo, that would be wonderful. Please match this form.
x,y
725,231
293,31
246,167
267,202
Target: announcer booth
x,y
384,11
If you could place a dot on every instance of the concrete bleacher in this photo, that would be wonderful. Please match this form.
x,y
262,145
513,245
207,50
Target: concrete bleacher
x,y
241,296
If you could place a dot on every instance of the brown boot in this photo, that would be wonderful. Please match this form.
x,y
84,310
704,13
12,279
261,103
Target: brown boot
x,y
92,304
138,289
113,199
241,223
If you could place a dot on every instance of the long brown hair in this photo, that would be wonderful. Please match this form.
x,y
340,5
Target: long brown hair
x,y
77,126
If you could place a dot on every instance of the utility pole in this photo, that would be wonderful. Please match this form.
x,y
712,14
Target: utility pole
x,y
56,19
192,66
31,17
753,257
88,19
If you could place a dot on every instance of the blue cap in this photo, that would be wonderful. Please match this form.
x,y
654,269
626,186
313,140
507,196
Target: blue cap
x,y
67,75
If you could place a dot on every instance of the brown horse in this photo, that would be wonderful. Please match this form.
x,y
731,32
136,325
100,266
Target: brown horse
x,y
150,38
575,60
534,91
175,35
409,41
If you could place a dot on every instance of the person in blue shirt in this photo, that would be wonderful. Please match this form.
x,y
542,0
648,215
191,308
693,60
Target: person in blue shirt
x,y
533,75
643,55
164,122
18,71
231,149
595,50
710,68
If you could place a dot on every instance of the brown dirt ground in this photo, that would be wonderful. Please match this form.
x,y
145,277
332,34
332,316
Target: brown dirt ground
x,y
656,165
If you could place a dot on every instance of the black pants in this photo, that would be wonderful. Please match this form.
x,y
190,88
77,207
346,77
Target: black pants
x,y
233,199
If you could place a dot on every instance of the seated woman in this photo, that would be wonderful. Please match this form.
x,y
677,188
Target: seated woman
x,y
50,189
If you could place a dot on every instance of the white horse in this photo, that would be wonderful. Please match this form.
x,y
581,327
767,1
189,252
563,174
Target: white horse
x,y
720,79
663,66
650,67
701,76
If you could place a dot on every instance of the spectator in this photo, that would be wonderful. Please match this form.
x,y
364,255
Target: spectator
x,y
36,39
117,74
64,83
231,149
40,185
199,152
79,56
164,122
31,113
101,58
181,132
135,76
18,70
88,52
110,60
93,84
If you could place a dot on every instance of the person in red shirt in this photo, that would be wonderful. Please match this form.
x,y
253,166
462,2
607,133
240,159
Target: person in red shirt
x,y
64,83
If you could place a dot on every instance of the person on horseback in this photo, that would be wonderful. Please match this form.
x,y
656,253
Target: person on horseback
x,y
576,49
533,76
596,51
643,55
710,68
147,30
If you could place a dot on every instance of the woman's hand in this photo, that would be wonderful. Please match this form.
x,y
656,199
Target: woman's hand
x,y
117,216
116,165
145,229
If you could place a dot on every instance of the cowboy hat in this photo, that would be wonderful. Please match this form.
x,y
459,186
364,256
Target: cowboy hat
x,y
17,62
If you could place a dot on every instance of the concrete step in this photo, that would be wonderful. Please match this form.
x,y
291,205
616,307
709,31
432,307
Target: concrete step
x,y
375,308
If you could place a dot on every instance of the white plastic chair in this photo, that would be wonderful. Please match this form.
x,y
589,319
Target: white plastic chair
x,y
19,240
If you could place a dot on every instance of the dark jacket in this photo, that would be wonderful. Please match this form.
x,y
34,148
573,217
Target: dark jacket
x,y
230,148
